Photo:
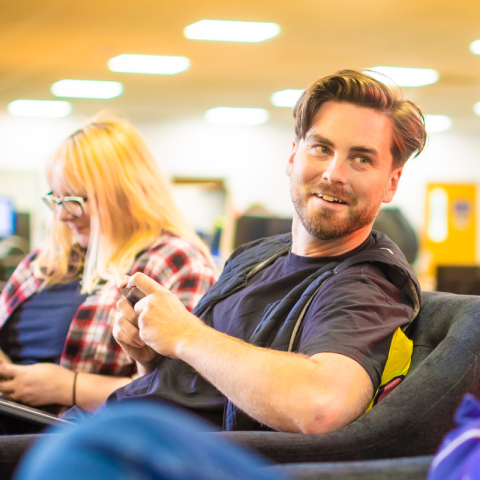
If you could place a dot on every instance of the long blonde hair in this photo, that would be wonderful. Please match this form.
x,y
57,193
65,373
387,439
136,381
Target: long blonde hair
x,y
130,202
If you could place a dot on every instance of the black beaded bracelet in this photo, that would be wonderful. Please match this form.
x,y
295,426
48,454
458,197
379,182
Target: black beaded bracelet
x,y
74,399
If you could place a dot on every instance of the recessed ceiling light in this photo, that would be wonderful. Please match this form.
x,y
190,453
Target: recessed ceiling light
x,y
405,77
475,47
437,123
150,64
476,109
236,116
231,31
39,108
86,89
286,98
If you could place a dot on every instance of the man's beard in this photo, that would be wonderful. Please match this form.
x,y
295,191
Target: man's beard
x,y
324,223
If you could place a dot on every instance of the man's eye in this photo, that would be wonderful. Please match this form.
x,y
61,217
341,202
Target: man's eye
x,y
361,159
322,149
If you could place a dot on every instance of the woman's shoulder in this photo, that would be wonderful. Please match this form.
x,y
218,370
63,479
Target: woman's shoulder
x,y
169,242
25,267
172,250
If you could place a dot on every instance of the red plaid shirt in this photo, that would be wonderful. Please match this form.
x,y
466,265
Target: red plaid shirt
x,y
90,347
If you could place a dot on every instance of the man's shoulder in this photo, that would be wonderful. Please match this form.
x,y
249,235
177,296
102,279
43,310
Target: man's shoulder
x,y
242,262
381,264
381,251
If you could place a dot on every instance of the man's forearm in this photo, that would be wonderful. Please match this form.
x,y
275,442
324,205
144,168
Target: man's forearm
x,y
282,390
286,391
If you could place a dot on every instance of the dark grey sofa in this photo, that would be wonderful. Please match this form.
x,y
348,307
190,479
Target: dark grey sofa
x,y
412,468
410,422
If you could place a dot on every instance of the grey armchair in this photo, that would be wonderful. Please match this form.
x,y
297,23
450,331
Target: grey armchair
x,y
413,419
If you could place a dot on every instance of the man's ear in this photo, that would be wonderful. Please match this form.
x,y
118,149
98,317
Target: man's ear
x,y
293,151
392,185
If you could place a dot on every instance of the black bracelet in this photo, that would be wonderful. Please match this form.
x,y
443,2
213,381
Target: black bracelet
x,y
74,399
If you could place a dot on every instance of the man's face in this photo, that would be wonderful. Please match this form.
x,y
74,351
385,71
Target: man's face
x,y
342,171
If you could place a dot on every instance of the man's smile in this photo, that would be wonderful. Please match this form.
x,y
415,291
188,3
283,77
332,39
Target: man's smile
x,y
329,198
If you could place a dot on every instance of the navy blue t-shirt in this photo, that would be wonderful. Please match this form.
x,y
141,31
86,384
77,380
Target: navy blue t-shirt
x,y
355,313
37,329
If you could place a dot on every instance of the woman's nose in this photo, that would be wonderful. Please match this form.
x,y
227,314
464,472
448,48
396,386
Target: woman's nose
x,y
63,215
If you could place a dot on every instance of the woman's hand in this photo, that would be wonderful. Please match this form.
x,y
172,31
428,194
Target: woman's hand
x,y
39,384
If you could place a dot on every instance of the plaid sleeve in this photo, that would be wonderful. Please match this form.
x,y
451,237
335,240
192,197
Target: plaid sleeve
x,y
173,262
20,286
179,266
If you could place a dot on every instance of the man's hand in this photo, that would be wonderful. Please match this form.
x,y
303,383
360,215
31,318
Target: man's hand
x,y
157,324
127,334
39,384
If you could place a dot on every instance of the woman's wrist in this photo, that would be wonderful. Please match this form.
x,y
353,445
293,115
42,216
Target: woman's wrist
x,y
74,389
67,388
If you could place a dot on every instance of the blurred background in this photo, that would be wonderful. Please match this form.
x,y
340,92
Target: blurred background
x,y
168,72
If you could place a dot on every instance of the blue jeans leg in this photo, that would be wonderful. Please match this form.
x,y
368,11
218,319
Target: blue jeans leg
x,y
140,440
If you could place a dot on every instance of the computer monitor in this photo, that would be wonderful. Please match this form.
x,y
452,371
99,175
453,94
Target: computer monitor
x,y
461,279
22,225
7,217
250,228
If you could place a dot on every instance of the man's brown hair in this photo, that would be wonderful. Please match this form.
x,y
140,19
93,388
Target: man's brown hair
x,y
358,88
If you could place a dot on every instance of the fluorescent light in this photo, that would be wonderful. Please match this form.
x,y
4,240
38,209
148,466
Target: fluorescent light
x,y
405,77
86,89
475,47
236,116
476,109
286,98
152,64
231,31
437,123
39,108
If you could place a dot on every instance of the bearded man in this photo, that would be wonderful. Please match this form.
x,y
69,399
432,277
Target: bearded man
x,y
302,332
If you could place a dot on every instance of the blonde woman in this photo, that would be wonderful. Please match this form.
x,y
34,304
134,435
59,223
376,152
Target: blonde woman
x,y
113,213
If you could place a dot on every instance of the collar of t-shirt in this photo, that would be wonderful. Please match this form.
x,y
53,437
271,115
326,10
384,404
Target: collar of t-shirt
x,y
294,263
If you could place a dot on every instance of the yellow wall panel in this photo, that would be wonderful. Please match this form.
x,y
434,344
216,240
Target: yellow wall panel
x,y
450,235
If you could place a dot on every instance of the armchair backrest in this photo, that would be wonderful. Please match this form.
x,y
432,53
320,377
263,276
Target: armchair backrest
x,y
445,315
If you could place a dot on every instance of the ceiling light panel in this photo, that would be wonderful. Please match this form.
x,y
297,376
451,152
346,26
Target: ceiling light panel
x,y
148,64
286,98
87,89
236,116
405,77
39,108
231,31
476,109
437,123
475,47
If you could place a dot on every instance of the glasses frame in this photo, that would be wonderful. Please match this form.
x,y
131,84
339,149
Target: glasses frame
x,y
64,201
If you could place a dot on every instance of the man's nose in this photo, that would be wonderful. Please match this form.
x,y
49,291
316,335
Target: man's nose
x,y
336,171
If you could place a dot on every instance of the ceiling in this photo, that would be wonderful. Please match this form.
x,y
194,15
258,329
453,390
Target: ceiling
x,y
43,41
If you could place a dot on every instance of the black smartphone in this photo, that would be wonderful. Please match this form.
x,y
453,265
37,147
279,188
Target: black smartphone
x,y
133,295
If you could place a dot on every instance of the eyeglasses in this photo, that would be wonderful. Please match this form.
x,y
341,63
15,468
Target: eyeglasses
x,y
72,205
